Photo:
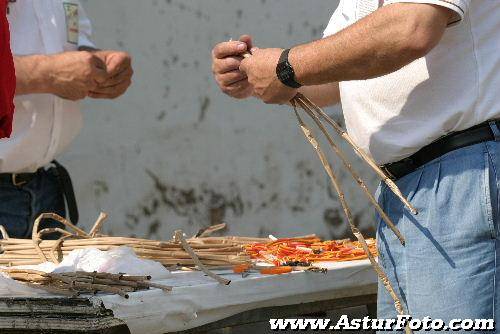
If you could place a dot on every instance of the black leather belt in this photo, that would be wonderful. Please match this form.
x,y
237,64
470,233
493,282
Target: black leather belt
x,y
65,184
453,141
17,180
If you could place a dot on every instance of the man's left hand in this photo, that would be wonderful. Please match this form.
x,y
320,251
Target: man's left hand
x,y
119,70
260,69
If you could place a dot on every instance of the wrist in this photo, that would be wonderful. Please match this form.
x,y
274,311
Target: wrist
x,y
294,60
46,80
33,74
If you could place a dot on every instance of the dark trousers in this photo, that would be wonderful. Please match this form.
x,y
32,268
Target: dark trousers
x,y
21,205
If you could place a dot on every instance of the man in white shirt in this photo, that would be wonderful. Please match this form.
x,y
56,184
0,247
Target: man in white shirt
x,y
56,65
419,81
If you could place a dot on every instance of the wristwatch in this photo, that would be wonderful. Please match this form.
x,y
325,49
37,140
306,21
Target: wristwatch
x,y
285,72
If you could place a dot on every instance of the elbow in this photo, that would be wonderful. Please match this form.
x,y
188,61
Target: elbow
x,y
421,37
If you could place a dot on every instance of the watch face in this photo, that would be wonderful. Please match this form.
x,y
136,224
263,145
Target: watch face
x,y
285,73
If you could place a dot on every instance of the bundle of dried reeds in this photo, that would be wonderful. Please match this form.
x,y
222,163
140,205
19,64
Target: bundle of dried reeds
x,y
210,251
316,114
75,283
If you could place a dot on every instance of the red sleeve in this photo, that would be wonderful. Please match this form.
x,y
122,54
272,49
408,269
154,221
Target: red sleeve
x,y
7,75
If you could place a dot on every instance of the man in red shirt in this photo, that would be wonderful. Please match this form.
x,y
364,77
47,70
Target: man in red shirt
x,y
7,75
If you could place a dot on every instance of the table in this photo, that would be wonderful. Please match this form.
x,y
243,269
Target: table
x,y
196,303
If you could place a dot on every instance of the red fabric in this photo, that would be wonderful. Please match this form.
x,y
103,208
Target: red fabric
x,y
7,75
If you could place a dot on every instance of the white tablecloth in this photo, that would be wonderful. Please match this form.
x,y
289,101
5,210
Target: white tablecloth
x,y
197,300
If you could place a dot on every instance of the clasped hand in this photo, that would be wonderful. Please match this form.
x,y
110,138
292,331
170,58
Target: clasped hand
x,y
255,75
100,74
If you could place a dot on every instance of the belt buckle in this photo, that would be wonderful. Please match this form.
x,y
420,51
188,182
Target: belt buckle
x,y
387,172
17,183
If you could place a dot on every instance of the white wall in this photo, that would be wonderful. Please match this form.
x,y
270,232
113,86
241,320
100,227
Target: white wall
x,y
174,152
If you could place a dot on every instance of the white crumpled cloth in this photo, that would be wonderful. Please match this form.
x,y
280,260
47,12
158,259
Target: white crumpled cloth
x,y
118,260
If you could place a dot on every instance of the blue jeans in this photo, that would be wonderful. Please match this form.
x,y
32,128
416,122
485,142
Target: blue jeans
x,y
448,268
20,206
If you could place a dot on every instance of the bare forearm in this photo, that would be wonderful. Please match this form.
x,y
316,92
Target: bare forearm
x,y
32,74
322,95
381,43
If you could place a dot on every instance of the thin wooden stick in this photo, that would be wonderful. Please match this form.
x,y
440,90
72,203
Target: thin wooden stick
x,y
353,173
72,283
36,235
98,224
56,249
205,232
391,184
328,168
5,235
78,231
179,237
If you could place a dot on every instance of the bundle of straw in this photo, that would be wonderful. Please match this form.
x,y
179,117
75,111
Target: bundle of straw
x,y
210,251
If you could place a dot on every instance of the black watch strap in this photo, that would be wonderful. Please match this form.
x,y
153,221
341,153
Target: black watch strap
x,y
285,71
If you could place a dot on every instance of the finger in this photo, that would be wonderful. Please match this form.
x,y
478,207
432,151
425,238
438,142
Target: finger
x,y
118,79
114,91
115,67
227,49
245,64
247,39
99,75
236,88
225,65
95,95
230,78
98,62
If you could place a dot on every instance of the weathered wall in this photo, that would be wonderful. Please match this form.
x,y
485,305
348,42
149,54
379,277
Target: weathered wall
x,y
174,152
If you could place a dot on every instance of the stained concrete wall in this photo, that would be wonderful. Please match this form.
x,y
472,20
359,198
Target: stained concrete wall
x,y
175,152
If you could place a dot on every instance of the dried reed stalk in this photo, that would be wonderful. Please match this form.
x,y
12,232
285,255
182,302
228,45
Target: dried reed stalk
x,y
205,232
333,178
353,173
366,158
98,224
179,237
369,160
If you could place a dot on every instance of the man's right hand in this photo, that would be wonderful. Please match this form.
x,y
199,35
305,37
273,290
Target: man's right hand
x,y
73,75
226,58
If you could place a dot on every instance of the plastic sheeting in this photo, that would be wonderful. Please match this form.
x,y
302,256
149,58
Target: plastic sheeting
x,y
197,300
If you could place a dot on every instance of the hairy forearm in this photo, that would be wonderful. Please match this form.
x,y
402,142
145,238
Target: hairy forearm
x,y
322,95
378,44
32,74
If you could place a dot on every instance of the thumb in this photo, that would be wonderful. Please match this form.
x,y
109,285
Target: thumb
x,y
247,39
99,69
98,62
245,65
99,73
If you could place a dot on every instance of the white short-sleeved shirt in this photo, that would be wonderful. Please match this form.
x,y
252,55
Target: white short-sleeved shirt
x,y
454,87
44,124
